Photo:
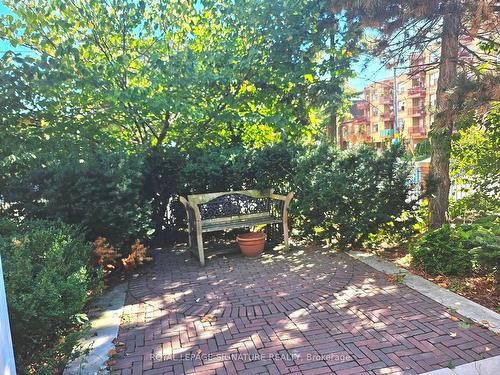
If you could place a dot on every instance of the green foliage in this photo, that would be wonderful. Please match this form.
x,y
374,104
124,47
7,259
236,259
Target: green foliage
x,y
459,249
154,74
475,166
423,150
485,237
399,232
476,154
238,168
162,181
274,166
474,205
345,196
216,169
442,252
173,83
47,279
99,190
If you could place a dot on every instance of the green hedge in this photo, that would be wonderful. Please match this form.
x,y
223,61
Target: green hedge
x,y
48,282
346,195
101,191
340,195
442,252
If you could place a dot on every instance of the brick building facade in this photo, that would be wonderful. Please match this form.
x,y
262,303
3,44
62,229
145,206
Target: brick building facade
x,y
372,117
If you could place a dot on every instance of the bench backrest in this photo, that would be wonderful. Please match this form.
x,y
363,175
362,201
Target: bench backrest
x,y
233,203
204,198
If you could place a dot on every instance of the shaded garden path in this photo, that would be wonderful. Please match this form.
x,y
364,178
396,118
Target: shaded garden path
x,y
306,312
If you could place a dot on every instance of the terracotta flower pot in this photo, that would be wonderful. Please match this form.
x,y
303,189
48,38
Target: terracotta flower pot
x,y
251,244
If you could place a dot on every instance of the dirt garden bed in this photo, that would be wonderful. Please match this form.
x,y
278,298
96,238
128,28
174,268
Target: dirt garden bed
x,y
479,288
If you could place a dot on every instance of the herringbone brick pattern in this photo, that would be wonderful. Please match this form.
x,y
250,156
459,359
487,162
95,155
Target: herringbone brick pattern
x,y
306,312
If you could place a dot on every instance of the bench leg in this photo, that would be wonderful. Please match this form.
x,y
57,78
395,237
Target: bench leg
x,y
190,236
201,253
285,235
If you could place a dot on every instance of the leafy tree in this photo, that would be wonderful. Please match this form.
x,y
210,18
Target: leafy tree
x,y
179,72
337,42
152,77
475,164
409,26
476,153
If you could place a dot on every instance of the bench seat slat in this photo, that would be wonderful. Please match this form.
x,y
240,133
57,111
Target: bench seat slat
x,y
241,223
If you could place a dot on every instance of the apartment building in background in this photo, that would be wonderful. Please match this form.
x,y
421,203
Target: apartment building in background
x,y
372,117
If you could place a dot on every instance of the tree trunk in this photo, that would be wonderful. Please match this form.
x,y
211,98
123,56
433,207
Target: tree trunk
x,y
331,129
441,129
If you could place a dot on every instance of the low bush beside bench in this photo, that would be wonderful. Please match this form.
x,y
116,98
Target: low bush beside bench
x,y
48,280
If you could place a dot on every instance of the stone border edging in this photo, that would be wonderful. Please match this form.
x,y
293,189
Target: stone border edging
x,y
104,329
461,305
488,366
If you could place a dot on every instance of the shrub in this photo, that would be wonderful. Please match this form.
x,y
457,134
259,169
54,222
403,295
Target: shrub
x,y
104,255
475,205
217,169
443,251
460,249
137,256
399,233
48,281
162,182
346,195
274,166
101,191
484,237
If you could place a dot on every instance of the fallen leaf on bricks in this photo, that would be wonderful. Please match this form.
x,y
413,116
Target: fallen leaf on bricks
x,y
208,318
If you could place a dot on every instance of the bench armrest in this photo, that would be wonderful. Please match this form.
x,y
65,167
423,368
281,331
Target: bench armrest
x,y
191,207
284,206
284,198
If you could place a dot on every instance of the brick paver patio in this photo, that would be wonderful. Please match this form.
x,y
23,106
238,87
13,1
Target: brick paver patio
x,y
304,313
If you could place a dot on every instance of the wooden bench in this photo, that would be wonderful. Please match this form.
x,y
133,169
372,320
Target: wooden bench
x,y
233,209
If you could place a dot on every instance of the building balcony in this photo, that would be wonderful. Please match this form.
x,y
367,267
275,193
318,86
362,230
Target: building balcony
x,y
362,105
360,120
416,92
416,112
386,132
364,137
386,99
387,116
417,131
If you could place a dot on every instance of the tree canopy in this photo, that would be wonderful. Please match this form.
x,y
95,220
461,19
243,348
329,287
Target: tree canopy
x,y
178,72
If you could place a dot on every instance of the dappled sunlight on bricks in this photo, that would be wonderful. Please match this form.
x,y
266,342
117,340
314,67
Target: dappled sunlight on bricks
x,y
306,312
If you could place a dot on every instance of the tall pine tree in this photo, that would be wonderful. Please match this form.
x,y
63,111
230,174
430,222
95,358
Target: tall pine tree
x,y
414,25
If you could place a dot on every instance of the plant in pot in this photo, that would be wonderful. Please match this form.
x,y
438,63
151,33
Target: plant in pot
x,y
251,244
